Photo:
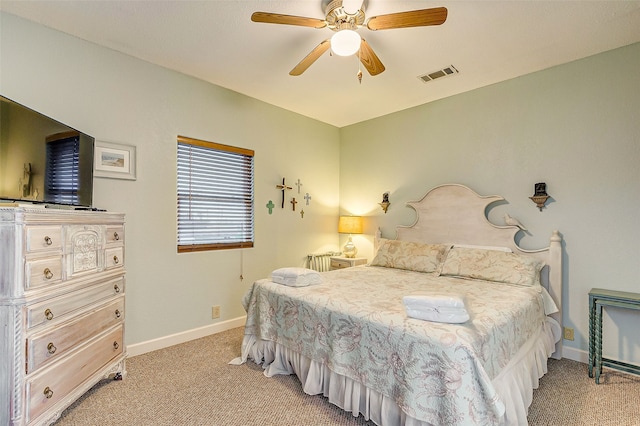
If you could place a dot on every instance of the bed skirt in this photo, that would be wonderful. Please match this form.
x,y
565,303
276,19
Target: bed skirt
x,y
514,385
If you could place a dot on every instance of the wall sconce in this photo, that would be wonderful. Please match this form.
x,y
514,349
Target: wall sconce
x,y
350,225
540,195
385,202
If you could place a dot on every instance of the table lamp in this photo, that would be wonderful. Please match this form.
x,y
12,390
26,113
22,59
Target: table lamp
x,y
350,225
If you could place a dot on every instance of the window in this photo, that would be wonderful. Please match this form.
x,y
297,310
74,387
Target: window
x,y
61,169
215,196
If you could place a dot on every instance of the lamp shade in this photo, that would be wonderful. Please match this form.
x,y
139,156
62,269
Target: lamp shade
x,y
345,42
350,225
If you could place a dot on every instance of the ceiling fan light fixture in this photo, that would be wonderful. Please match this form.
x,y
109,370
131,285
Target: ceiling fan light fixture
x,y
345,42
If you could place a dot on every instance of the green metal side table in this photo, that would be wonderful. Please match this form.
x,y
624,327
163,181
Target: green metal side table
x,y
598,298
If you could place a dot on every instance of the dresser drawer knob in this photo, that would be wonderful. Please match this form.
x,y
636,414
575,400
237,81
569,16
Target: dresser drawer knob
x,y
48,392
48,314
51,348
116,288
116,236
115,345
116,260
47,240
47,273
118,314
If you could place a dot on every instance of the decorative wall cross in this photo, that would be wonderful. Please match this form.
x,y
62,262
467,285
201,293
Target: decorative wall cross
x,y
283,187
294,202
307,197
270,206
298,184
302,213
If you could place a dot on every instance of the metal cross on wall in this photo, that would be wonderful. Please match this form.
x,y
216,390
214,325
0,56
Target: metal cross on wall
x,y
298,184
307,197
283,187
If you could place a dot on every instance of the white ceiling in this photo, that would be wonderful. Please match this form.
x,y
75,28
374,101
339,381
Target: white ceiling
x,y
215,40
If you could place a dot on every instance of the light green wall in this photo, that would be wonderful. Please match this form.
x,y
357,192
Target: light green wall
x,y
116,98
575,127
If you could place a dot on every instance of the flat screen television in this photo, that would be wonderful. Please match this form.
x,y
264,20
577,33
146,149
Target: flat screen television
x,y
42,160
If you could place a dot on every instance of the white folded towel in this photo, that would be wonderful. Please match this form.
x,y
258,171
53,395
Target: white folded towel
x,y
437,308
451,316
296,277
417,301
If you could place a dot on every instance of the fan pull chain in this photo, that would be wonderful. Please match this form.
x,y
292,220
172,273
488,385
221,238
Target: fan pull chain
x,y
359,74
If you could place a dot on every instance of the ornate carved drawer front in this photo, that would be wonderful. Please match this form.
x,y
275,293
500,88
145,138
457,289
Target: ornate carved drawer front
x,y
85,245
115,235
57,309
114,258
43,238
43,272
53,384
54,344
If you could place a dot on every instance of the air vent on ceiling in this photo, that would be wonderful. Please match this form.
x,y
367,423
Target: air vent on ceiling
x,y
444,72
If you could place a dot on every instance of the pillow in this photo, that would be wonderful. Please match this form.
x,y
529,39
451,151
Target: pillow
x,y
497,248
296,277
491,265
410,256
550,306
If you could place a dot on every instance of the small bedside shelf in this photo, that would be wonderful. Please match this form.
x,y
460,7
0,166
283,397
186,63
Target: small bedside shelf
x,y
598,299
338,262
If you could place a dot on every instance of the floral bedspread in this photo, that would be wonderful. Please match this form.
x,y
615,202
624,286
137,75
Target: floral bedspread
x,y
356,325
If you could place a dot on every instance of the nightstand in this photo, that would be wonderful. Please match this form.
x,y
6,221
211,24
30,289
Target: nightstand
x,y
346,262
599,298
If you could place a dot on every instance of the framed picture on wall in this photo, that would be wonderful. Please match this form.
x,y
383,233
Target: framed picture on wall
x,y
116,161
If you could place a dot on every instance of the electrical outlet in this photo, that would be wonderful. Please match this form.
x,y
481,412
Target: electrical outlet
x,y
568,333
215,312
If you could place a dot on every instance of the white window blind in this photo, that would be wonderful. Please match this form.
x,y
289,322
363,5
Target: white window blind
x,y
61,170
215,196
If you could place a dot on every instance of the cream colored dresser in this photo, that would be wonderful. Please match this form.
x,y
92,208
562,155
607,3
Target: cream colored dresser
x,y
61,308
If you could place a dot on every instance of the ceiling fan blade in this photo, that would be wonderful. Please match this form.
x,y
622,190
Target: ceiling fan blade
x,y
275,18
413,18
311,58
369,59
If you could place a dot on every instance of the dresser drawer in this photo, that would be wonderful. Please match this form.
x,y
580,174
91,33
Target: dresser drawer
x,y
43,272
60,308
347,262
85,250
114,258
114,235
44,390
54,344
43,238
339,264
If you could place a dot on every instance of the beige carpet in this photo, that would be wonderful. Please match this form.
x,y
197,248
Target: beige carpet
x,y
192,384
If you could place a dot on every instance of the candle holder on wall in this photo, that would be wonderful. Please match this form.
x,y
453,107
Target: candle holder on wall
x,y
385,202
540,195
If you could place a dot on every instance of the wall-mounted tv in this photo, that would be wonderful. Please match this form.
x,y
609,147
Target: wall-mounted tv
x,y
43,160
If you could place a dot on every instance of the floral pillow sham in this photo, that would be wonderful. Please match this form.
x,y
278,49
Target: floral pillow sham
x,y
410,256
491,265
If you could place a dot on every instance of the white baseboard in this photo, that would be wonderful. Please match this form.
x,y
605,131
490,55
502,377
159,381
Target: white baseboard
x,y
575,354
185,336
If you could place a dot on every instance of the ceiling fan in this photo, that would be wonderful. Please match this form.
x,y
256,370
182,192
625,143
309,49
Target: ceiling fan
x,y
345,17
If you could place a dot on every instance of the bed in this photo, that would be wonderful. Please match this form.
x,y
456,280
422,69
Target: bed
x,y
350,336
